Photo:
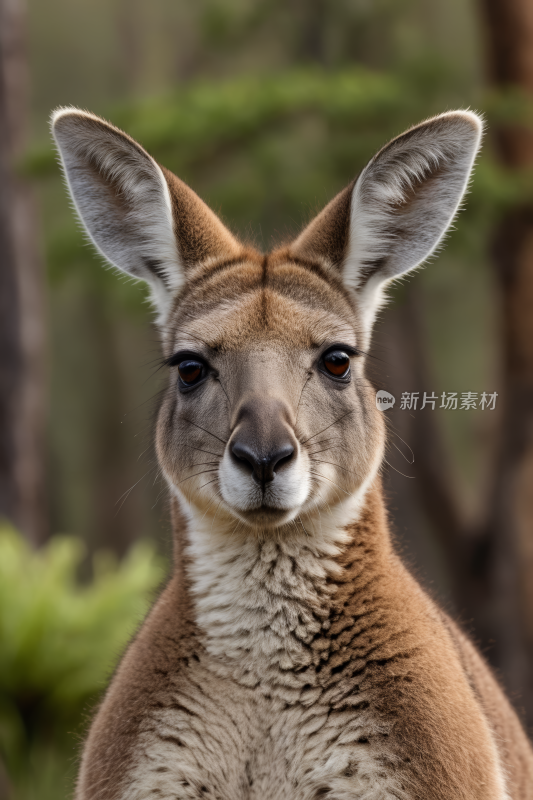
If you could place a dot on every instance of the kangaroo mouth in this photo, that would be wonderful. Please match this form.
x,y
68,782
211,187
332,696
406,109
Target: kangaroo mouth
x,y
267,503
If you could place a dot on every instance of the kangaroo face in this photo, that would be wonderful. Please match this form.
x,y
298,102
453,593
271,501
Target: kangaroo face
x,y
268,414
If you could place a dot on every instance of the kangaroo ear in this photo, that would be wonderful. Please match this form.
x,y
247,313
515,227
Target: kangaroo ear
x,y
141,218
396,213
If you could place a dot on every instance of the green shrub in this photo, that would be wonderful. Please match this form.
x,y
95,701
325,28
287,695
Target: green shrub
x,y
60,638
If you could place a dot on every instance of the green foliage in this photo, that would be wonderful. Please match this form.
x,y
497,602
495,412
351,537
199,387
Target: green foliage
x,y
59,640
200,120
205,117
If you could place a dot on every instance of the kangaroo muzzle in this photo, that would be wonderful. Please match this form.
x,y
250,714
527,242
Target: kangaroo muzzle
x,y
262,443
263,467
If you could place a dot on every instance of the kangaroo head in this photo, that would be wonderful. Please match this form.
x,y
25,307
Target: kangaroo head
x,y
268,416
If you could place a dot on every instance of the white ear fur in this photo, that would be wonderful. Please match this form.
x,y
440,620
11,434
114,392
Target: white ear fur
x,y
404,202
122,200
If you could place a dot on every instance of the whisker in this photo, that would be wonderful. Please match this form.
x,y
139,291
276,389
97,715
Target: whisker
x,y
127,493
236,528
159,393
217,494
411,477
325,449
157,475
319,461
159,494
322,477
370,355
216,511
398,449
208,482
225,392
308,378
202,472
224,442
200,450
328,426
329,479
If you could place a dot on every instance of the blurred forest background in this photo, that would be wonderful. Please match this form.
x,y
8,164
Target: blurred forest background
x,y
266,109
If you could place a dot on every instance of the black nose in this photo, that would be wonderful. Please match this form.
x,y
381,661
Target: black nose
x,y
263,466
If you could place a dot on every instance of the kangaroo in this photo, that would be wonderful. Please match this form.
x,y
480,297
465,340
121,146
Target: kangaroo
x,y
291,656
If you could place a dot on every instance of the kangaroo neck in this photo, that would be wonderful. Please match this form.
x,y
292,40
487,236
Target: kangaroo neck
x,y
264,604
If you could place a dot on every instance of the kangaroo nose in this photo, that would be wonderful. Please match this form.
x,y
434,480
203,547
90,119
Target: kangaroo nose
x,y
263,466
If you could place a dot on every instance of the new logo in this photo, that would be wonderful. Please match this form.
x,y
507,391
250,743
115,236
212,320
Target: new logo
x,y
384,400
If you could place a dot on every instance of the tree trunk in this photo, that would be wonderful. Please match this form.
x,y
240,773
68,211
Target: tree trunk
x,y
310,29
491,562
22,351
509,40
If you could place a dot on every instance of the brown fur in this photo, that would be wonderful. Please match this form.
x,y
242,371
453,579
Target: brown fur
x,y
291,653
385,634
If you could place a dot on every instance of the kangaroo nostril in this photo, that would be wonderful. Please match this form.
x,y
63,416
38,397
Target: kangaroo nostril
x,y
263,467
244,454
282,456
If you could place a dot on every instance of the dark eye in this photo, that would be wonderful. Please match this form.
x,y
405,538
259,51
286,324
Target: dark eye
x,y
337,363
190,371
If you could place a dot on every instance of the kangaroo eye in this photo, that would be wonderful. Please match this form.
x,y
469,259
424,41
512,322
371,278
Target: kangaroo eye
x,y
337,363
190,371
